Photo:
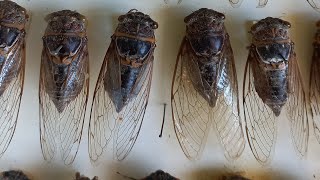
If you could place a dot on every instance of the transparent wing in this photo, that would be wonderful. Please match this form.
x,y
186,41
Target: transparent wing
x,y
61,132
297,108
226,113
315,94
191,112
315,4
260,120
106,123
11,92
235,3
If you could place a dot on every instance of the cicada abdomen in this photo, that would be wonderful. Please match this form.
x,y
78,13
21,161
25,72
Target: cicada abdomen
x,y
13,19
64,84
205,88
122,90
159,174
272,82
314,92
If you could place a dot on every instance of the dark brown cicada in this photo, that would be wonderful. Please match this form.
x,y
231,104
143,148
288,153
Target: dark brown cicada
x,y
315,84
122,90
272,81
237,3
13,19
205,88
79,177
64,84
13,175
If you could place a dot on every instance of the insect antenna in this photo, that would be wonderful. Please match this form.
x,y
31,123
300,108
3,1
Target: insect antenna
x,y
164,116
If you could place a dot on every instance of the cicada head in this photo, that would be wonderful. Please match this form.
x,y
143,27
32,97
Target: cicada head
x,y
136,23
13,19
160,175
206,31
64,35
271,40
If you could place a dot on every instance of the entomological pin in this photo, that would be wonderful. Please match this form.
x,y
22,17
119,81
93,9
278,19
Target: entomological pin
x,y
79,177
158,175
13,19
63,84
272,82
122,90
13,175
314,92
205,88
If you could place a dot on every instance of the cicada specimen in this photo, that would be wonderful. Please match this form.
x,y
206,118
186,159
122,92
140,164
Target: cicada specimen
x,y
237,3
205,88
272,81
158,175
13,175
315,84
13,19
63,84
79,177
122,90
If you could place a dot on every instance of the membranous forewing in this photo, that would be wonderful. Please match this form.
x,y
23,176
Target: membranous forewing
x,y
314,92
13,19
122,90
237,3
64,84
205,88
272,81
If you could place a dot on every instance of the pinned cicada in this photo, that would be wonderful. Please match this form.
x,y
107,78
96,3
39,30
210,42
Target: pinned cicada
x,y
122,90
272,82
64,84
237,3
13,19
205,88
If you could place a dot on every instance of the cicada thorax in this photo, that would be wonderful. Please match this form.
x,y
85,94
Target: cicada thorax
x,y
271,51
206,37
13,19
134,43
65,45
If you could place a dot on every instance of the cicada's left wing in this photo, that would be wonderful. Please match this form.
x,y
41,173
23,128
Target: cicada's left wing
x,y
226,114
61,131
12,78
296,107
314,93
